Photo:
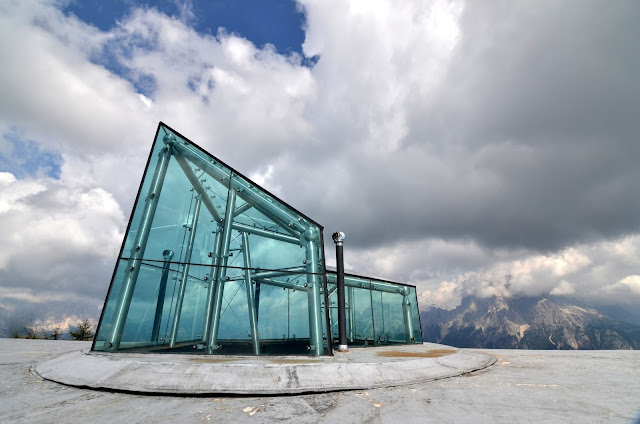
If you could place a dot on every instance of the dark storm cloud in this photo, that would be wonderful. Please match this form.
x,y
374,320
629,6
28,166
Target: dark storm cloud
x,y
454,143
530,140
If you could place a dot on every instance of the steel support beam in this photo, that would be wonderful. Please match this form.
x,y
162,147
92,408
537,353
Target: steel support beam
x,y
332,291
219,291
162,289
361,283
137,251
247,192
266,233
197,186
257,299
279,273
314,298
272,274
283,284
406,314
214,274
251,301
185,272
242,209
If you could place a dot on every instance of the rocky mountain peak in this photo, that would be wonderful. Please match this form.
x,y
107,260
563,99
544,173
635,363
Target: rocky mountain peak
x,y
527,323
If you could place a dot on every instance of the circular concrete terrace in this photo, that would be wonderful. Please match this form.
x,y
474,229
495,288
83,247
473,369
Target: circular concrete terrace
x,y
360,368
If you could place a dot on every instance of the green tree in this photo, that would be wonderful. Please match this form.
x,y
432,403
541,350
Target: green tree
x,y
55,333
84,331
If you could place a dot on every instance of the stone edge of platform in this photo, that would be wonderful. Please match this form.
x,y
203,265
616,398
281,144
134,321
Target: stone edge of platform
x,y
100,372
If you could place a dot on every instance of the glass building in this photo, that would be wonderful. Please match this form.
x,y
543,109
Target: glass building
x,y
212,263
378,312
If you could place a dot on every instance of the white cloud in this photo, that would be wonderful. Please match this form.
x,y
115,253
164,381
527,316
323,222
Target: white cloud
x,y
14,192
61,237
456,144
595,272
564,288
57,236
627,286
446,296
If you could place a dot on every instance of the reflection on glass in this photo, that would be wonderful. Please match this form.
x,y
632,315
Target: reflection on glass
x,y
213,264
378,312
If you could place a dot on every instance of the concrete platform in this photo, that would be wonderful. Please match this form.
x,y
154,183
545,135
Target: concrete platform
x,y
523,386
360,368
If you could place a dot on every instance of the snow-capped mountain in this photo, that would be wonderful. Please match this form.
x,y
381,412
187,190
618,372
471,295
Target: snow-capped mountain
x,y
526,323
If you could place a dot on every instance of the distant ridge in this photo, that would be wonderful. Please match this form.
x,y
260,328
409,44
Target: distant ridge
x,y
526,323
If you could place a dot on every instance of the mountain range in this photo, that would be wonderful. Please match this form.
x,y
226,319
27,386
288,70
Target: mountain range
x,y
526,323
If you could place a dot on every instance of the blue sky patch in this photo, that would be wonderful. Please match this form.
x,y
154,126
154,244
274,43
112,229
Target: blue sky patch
x,y
26,158
277,22
110,56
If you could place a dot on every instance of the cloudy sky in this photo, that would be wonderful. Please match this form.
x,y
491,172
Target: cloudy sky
x,y
464,147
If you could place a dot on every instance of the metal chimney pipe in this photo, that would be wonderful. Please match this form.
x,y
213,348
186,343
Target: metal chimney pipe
x,y
338,239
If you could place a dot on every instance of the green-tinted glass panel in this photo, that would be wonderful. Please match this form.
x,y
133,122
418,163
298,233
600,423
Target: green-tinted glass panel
x,y
192,312
333,309
110,303
412,299
276,238
378,312
234,322
393,324
378,317
174,210
213,264
282,313
364,325
141,314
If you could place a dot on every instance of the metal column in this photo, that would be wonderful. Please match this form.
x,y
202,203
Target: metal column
x,y
406,313
215,272
185,272
155,332
219,290
137,251
257,298
313,294
253,315
338,239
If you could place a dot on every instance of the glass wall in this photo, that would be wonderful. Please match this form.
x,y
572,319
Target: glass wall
x,y
211,263
378,312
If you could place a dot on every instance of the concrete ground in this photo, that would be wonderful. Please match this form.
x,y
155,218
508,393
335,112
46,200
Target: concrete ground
x,y
522,387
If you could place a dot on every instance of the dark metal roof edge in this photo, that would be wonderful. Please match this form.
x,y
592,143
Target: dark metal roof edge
x,y
372,278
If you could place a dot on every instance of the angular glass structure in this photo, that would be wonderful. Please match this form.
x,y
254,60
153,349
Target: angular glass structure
x,y
378,312
214,264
